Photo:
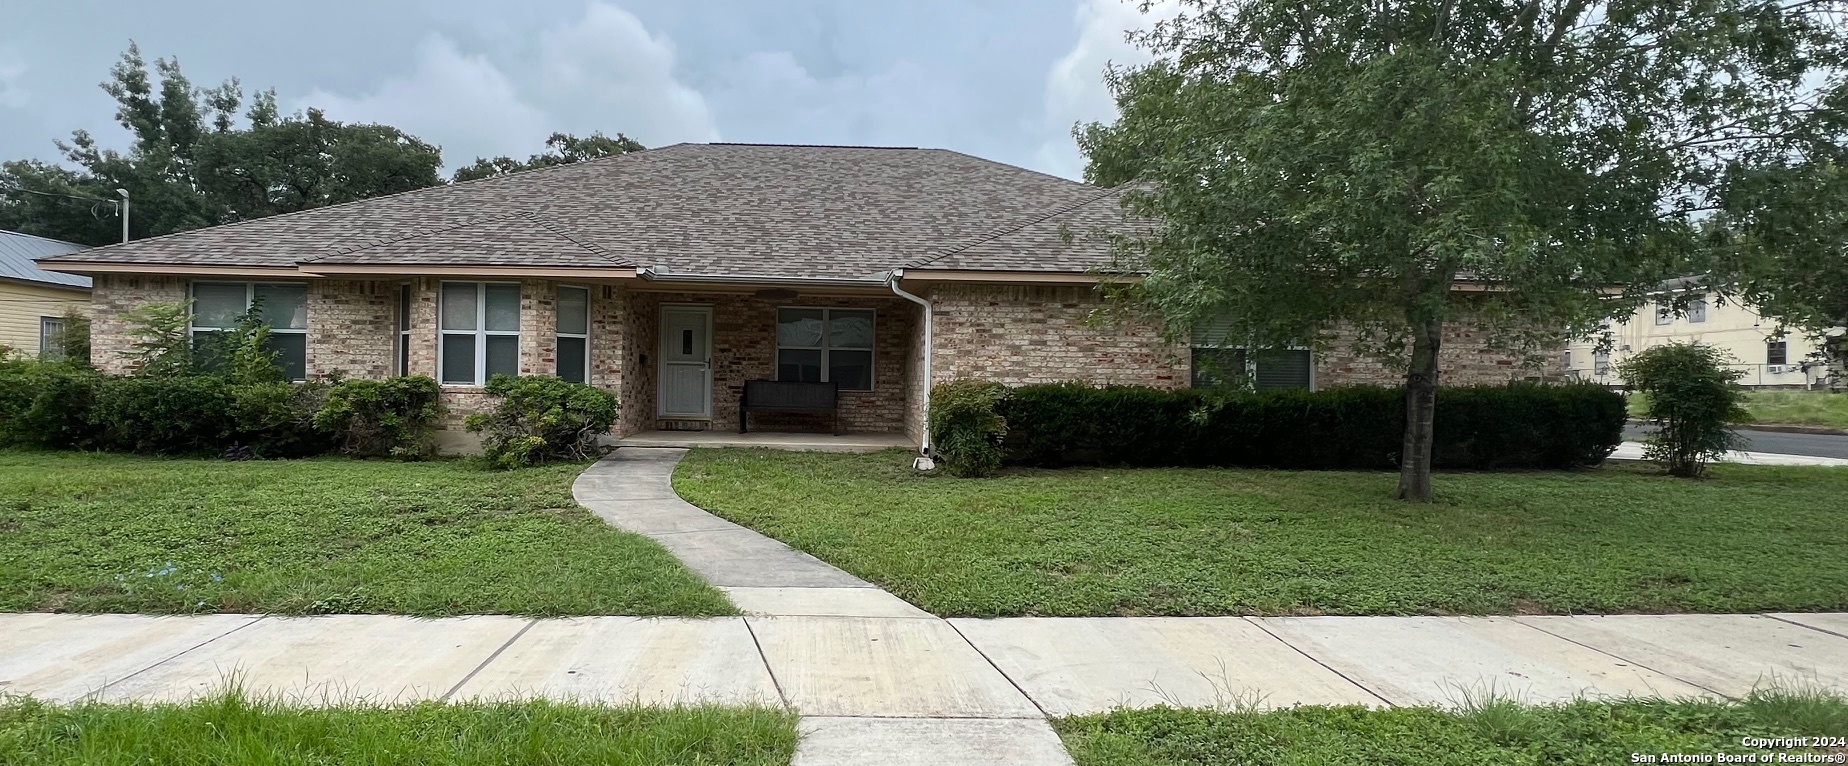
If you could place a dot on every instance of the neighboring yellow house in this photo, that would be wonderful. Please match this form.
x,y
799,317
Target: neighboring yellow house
x,y
1768,361
33,301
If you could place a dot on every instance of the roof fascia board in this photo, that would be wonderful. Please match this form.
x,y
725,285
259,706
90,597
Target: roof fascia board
x,y
98,267
1018,277
415,270
47,285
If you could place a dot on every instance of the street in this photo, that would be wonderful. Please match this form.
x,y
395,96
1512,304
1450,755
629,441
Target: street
x,y
1815,445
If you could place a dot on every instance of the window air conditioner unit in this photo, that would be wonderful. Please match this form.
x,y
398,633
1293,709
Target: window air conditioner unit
x,y
1776,369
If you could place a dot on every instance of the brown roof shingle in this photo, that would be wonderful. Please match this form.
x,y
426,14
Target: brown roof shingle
x,y
720,209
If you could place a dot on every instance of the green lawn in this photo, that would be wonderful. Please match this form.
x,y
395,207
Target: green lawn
x,y
1228,541
112,533
231,730
1789,408
1494,733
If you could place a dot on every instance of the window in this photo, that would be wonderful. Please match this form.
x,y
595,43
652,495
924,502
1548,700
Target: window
x,y
1664,315
404,330
1776,352
284,308
1568,360
1216,364
822,345
1601,363
574,334
1697,310
480,324
51,337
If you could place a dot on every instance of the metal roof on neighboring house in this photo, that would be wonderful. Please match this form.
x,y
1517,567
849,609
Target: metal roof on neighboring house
x,y
691,209
18,251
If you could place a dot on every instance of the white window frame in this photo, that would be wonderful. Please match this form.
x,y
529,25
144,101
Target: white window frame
x,y
589,300
827,331
250,294
1783,345
1700,316
407,294
1251,360
1664,315
47,349
481,332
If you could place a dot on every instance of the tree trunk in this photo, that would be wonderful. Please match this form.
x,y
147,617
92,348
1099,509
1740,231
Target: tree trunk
x,y
1420,412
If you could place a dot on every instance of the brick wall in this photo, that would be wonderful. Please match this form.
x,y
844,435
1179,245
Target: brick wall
x,y
352,328
1464,359
744,348
114,295
1022,335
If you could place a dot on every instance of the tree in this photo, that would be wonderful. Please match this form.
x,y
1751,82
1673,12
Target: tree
x,y
1332,170
191,164
563,149
1693,393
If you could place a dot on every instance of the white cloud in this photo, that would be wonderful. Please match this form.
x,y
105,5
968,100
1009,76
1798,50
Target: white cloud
x,y
604,72
780,100
1075,90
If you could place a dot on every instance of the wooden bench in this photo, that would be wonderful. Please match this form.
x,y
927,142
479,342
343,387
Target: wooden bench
x,y
789,396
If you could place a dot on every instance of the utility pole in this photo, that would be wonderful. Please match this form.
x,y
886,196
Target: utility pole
x,y
124,193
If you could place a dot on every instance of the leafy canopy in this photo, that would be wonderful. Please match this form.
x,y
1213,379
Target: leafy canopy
x,y
192,162
561,149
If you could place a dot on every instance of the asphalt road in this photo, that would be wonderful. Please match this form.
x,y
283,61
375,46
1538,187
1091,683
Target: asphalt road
x,y
1816,445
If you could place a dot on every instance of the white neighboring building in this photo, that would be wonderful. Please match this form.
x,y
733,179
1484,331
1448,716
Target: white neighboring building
x,y
1767,360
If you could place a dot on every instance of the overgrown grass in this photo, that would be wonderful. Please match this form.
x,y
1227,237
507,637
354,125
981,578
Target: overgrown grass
x,y
1493,731
1789,408
234,730
113,533
1227,541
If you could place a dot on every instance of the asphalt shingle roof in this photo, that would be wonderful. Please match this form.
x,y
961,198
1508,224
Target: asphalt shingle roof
x,y
710,209
18,251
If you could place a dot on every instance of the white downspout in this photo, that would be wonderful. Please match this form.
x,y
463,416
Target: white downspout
x,y
923,461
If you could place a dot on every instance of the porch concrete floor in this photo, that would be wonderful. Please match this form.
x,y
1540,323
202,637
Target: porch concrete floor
x,y
795,442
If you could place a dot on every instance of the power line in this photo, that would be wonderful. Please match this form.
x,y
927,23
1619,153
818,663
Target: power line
x,y
50,194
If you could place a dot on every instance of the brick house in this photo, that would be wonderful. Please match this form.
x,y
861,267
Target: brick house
x,y
672,276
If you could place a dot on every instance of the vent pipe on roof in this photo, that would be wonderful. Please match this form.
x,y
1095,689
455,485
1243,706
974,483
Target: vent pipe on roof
x,y
923,461
124,193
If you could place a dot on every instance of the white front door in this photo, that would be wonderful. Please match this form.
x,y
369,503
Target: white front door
x,y
686,362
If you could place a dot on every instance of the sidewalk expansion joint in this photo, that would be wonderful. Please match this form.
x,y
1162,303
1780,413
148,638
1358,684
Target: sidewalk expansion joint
x,y
765,659
1804,625
490,658
1632,662
1317,660
991,663
176,655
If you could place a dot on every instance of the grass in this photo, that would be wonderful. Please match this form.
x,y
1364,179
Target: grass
x,y
234,730
1214,542
112,533
1493,731
1787,408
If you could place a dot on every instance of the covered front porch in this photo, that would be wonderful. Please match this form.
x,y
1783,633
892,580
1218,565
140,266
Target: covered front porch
x,y
691,350
777,440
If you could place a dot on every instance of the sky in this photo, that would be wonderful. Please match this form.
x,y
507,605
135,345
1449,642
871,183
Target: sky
x,y
1001,80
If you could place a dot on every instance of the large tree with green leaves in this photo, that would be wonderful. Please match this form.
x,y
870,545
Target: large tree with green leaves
x,y
194,161
1373,173
561,149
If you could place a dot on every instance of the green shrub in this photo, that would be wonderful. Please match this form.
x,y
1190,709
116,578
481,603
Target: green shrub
x,y
175,416
1693,394
47,404
966,427
276,420
542,419
395,417
1478,427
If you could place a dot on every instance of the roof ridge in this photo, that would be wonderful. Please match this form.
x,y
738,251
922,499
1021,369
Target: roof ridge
x,y
1012,166
442,186
561,231
999,233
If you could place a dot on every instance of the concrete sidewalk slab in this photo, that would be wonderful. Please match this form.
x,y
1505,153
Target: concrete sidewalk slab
x,y
833,741
743,558
1441,660
657,661
1726,653
1834,622
822,602
1634,451
856,666
62,657
331,659
1078,666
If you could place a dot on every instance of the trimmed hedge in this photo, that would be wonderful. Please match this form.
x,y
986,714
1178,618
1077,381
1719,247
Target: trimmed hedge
x,y
59,406
1359,428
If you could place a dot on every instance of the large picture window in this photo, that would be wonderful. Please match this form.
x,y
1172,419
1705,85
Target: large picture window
x,y
283,306
480,332
822,345
574,334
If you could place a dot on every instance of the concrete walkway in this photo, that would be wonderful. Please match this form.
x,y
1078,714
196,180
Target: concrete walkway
x,y
1634,451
